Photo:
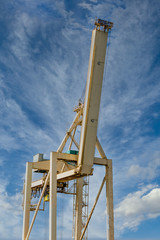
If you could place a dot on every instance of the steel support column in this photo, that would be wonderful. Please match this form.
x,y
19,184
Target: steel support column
x,y
27,199
78,220
109,196
53,197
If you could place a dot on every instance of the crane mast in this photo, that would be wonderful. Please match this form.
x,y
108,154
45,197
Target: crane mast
x,y
63,167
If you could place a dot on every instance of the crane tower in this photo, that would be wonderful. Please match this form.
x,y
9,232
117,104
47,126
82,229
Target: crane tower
x,y
63,167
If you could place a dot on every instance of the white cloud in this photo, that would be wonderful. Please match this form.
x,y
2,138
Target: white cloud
x,y
11,213
138,207
17,130
86,6
42,90
94,1
50,86
148,171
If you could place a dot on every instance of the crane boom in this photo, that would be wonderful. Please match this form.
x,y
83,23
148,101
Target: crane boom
x,y
92,100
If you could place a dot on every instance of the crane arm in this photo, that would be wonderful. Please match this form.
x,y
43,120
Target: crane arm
x,y
92,99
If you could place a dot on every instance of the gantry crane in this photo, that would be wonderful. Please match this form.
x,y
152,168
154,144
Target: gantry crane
x,y
62,167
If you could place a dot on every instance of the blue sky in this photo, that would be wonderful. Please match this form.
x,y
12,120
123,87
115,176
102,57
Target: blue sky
x,y
44,52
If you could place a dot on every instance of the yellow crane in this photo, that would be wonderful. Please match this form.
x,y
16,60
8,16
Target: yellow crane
x,y
62,167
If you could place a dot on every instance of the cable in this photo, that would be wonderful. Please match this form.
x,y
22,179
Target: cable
x,y
107,53
81,99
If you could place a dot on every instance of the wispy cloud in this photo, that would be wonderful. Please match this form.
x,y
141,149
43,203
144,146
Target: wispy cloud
x,y
149,171
11,214
17,129
44,59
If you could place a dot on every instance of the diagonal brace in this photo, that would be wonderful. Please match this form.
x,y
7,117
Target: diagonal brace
x,y
73,139
73,125
94,205
38,205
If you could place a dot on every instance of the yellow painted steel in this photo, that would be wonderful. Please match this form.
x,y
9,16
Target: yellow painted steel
x,y
92,100
46,198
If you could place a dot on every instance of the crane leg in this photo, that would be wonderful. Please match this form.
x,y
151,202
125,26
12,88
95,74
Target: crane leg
x,y
27,200
109,196
53,197
78,220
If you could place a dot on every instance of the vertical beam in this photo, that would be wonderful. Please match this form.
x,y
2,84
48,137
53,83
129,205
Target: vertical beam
x,y
53,197
78,220
109,195
27,199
